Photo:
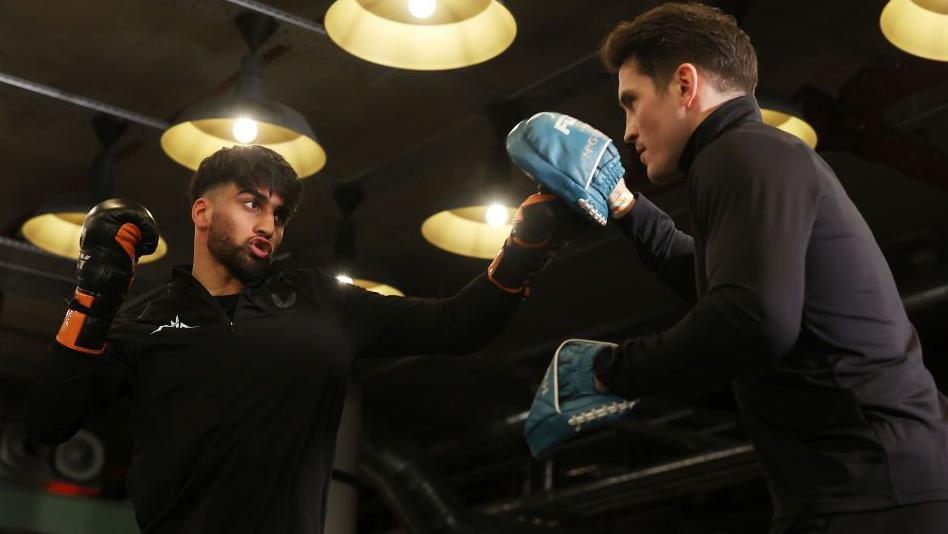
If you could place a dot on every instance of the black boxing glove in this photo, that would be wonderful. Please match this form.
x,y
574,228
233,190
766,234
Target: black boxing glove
x,y
541,228
115,234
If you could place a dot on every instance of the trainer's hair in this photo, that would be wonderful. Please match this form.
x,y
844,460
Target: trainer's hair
x,y
663,38
248,167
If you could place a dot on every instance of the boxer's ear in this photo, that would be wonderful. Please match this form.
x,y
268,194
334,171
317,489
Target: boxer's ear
x,y
201,213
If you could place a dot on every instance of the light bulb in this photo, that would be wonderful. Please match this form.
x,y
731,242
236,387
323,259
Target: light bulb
x,y
496,215
422,9
245,130
343,279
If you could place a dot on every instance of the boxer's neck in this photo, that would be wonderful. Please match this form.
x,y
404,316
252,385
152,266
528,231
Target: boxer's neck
x,y
212,274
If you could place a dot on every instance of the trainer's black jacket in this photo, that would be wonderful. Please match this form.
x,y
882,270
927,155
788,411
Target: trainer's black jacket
x,y
797,308
234,422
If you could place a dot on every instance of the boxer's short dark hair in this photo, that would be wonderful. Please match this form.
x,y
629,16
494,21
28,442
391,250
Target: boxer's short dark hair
x,y
248,167
663,38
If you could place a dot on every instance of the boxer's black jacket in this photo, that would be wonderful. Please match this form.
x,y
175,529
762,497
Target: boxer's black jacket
x,y
797,308
234,421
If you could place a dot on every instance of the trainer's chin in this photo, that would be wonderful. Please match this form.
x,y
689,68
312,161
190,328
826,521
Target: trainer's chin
x,y
661,175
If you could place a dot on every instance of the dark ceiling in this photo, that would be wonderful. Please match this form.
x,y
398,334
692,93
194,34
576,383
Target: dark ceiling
x,y
418,142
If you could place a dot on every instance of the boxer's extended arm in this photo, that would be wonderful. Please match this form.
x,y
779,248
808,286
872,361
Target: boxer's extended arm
x,y
394,326
391,326
758,220
68,387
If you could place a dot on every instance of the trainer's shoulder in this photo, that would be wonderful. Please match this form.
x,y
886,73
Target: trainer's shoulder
x,y
753,153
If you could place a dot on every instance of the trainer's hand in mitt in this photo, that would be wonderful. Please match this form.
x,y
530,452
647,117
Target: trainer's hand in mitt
x,y
569,158
567,401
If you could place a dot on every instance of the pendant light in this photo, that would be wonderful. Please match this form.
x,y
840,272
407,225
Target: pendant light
x,y
919,27
478,229
421,34
785,115
245,117
57,225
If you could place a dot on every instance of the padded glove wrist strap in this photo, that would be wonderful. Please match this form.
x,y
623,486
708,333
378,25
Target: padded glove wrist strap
x,y
86,324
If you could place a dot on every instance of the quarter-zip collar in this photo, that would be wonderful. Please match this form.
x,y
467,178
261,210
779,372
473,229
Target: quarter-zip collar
x,y
183,280
728,115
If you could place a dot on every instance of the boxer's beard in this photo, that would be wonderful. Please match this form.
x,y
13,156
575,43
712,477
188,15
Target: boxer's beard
x,y
234,256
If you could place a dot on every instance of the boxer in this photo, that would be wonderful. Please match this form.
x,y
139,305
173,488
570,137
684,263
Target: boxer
x,y
236,374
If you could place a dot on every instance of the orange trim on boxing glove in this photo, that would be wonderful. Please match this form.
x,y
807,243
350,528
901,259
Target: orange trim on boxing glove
x,y
128,236
68,335
537,198
84,298
521,243
490,275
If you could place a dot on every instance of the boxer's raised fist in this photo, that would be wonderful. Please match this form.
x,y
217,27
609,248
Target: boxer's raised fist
x,y
115,234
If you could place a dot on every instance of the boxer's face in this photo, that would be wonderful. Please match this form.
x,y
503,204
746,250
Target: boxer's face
x,y
246,229
655,121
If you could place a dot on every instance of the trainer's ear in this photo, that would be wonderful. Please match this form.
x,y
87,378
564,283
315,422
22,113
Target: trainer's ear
x,y
201,212
685,84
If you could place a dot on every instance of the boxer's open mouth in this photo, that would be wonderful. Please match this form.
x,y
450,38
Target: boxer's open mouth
x,y
260,247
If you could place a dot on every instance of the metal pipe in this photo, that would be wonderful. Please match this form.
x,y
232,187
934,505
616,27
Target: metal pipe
x,y
644,485
289,18
37,272
139,118
82,101
915,301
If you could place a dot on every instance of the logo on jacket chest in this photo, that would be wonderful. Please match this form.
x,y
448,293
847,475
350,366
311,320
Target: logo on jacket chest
x,y
176,323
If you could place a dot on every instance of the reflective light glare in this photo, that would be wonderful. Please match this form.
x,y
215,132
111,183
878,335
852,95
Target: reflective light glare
x,y
496,215
245,130
344,279
422,9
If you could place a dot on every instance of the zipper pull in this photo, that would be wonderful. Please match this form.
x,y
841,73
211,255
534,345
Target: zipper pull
x,y
232,326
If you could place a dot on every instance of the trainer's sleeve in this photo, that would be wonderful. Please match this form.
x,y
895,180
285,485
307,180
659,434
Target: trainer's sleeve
x,y
664,249
757,217
69,386
380,325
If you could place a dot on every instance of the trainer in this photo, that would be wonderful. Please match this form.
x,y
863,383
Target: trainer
x,y
794,304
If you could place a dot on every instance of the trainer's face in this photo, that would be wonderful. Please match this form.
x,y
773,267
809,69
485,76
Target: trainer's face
x,y
246,229
655,122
